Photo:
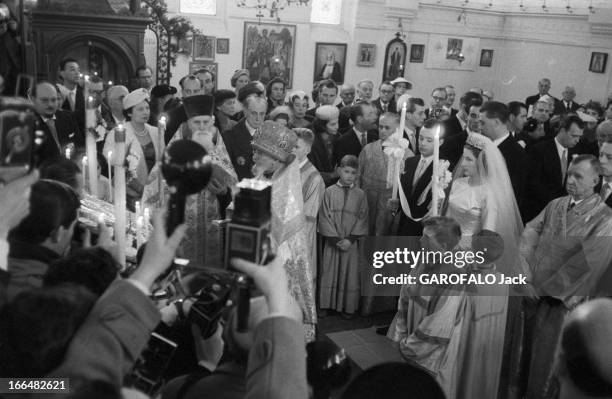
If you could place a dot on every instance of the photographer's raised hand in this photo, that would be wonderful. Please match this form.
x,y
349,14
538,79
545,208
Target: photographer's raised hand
x,y
271,279
159,252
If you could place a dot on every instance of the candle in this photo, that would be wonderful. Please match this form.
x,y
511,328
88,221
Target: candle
x,y
435,195
139,231
84,171
110,82
402,125
101,218
147,221
68,152
161,132
137,206
90,143
120,192
110,177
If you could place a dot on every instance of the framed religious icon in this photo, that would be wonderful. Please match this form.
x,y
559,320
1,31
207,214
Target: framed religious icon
x,y
211,66
330,62
486,58
395,59
203,48
268,51
417,52
598,62
366,55
223,46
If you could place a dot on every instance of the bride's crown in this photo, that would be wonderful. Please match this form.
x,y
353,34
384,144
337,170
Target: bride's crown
x,y
477,140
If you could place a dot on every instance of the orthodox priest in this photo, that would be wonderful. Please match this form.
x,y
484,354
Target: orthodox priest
x,y
202,242
567,247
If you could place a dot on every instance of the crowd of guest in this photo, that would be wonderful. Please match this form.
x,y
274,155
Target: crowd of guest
x,y
531,183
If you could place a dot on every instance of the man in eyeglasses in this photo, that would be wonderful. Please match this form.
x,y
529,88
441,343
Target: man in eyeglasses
x,y
438,100
386,101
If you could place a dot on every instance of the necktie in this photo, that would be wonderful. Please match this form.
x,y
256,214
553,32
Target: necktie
x,y
72,98
385,106
419,172
364,139
412,140
564,164
51,124
605,191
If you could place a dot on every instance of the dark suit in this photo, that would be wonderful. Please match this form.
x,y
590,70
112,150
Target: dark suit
x,y
391,106
407,226
544,181
452,126
452,147
516,162
562,109
349,144
67,132
319,157
238,143
79,101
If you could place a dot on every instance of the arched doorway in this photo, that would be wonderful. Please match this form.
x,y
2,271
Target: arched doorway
x,y
95,57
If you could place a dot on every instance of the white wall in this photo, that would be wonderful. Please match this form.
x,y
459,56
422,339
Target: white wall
x,y
526,47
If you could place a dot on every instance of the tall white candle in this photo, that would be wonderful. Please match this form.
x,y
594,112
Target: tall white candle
x,y
84,172
402,125
110,177
90,144
68,152
120,192
147,221
161,132
139,231
435,195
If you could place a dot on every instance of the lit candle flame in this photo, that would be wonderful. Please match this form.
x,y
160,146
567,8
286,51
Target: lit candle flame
x,y
101,218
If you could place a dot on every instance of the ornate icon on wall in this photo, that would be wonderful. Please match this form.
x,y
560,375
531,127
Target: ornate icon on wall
x,y
366,55
222,46
454,50
598,62
395,59
203,48
417,52
330,62
268,51
486,58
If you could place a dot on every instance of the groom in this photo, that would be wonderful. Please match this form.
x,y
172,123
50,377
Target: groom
x,y
415,190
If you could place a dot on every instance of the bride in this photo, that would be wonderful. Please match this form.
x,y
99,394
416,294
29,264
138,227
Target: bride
x,y
465,331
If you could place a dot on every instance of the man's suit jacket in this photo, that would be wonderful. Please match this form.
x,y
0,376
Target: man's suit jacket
x,y
349,144
79,101
67,132
407,226
391,107
544,181
516,162
452,147
452,126
238,143
561,109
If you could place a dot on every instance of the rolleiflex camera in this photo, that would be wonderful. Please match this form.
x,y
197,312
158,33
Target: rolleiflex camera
x,y
248,232
531,125
19,138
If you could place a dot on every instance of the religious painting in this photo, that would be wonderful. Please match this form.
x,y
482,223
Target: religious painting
x,y
598,62
330,62
417,52
203,48
395,59
268,51
185,46
366,55
454,49
486,58
222,46
211,66
454,53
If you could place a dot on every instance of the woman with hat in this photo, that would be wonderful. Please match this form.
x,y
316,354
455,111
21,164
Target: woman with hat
x,y
141,149
298,102
225,110
273,147
325,128
202,242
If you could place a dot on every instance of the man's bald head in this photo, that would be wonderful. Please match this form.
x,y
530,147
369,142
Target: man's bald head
x,y
44,95
585,358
